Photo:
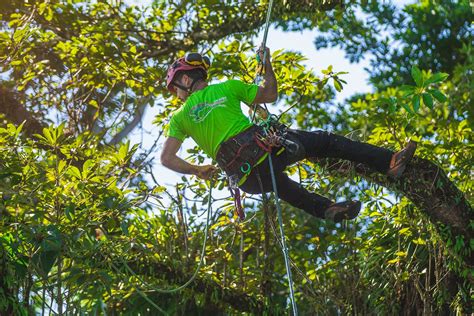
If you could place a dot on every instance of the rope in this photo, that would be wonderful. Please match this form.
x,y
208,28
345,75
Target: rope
x,y
258,77
203,251
275,235
277,200
283,239
193,277
267,23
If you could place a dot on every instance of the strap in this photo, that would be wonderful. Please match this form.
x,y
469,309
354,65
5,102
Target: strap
x,y
238,209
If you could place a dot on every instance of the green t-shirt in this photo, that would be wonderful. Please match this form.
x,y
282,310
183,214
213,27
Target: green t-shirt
x,y
212,115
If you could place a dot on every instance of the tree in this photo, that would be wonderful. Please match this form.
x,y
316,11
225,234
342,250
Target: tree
x,y
87,225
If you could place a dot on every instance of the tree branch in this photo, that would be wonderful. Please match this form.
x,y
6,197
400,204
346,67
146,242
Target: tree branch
x,y
16,113
213,291
427,186
140,110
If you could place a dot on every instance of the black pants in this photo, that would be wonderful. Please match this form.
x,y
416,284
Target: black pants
x,y
317,144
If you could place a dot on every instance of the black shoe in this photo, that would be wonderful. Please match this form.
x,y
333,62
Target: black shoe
x,y
336,212
401,159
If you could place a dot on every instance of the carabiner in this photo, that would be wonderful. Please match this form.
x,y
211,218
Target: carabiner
x,y
246,169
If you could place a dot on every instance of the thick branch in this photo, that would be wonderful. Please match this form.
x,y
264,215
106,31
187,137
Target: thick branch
x,y
137,117
431,191
225,296
248,23
16,113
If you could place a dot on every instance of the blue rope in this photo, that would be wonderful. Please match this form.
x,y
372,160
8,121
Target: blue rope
x,y
283,239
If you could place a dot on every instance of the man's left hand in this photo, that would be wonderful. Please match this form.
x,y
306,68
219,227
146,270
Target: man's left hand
x,y
206,172
260,112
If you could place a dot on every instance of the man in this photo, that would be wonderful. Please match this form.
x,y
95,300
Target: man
x,y
212,116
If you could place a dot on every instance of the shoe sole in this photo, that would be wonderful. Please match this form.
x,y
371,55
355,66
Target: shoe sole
x,y
397,171
348,214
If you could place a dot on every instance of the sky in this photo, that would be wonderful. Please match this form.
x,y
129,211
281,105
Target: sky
x,y
357,82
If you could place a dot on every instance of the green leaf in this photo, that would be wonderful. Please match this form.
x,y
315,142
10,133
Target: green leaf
x,y
124,227
16,63
404,231
437,77
337,85
61,165
44,261
74,171
417,76
94,104
407,90
407,108
438,95
48,135
374,214
86,168
416,102
428,100
48,252
419,241
327,71
69,211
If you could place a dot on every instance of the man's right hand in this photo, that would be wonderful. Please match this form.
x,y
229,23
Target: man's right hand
x,y
206,172
264,52
268,91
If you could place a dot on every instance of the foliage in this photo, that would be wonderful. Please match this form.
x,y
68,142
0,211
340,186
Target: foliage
x,y
87,226
432,34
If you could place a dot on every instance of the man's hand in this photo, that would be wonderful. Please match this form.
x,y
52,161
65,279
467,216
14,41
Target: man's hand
x,y
268,90
264,52
206,172
260,111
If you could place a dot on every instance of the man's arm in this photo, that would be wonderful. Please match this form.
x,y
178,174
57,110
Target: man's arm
x,y
268,91
170,160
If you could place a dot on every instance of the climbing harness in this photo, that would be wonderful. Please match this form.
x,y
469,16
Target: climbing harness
x,y
238,155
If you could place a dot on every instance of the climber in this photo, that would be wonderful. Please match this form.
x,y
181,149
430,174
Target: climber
x,y
211,115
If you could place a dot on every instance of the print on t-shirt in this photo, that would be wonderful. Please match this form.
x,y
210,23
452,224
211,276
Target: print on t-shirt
x,y
200,111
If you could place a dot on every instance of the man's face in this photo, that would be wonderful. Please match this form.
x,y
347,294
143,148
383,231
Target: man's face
x,y
184,81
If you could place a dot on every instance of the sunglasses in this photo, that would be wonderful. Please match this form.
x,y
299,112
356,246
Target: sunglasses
x,y
197,59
